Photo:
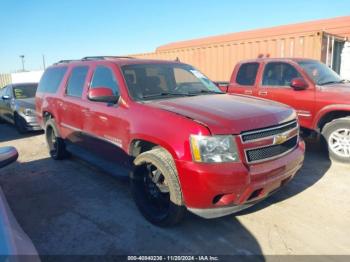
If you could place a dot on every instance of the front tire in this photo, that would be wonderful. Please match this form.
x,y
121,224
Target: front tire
x,y
55,143
156,188
337,135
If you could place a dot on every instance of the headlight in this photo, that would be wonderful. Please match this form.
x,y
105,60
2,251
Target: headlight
x,y
214,149
27,111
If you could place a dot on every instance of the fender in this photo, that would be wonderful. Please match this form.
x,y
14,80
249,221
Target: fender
x,y
328,109
154,140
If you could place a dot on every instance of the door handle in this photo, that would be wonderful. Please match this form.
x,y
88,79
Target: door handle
x,y
262,93
248,92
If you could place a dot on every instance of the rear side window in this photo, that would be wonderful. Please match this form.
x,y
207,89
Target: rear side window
x,y
104,77
52,79
75,85
279,74
247,74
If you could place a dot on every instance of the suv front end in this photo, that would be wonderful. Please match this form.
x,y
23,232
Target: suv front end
x,y
259,163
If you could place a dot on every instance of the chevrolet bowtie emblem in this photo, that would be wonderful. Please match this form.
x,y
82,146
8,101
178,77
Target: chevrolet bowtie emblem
x,y
279,139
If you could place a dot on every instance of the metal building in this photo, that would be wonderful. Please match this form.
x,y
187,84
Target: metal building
x,y
216,56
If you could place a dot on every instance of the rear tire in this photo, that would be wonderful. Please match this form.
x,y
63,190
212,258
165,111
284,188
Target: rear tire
x,y
156,188
20,124
337,135
56,145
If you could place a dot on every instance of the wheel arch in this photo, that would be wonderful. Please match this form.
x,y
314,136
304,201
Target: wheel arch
x,y
140,145
47,115
329,114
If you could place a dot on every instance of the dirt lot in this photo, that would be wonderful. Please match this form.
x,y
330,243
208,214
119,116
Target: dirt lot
x,y
68,207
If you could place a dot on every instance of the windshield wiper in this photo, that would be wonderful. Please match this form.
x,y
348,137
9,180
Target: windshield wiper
x,y
162,94
206,92
330,82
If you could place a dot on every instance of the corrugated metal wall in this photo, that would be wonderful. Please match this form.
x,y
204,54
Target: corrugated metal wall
x,y
218,60
5,79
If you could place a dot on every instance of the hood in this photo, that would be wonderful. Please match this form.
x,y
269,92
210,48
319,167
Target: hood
x,y
26,103
337,88
335,93
228,114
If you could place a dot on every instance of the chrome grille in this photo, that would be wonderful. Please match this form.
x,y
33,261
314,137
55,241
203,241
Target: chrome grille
x,y
267,132
265,153
271,142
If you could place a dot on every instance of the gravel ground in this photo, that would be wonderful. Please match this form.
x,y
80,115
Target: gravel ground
x,y
69,207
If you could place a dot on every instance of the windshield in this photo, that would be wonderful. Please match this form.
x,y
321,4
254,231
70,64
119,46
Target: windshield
x,y
24,91
320,73
156,81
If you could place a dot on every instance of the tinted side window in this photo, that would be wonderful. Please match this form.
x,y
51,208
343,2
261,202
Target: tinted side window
x,y
247,74
75,85
51,79
104,77
279,74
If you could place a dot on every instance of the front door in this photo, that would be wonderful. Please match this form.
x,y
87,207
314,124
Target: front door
x,y
7,104
103,124
2,102
275,85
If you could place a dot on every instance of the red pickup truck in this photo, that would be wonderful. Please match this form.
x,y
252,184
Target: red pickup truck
x,y
184,143
320,97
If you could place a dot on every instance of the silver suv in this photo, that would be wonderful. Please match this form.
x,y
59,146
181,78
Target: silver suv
x,y
17,106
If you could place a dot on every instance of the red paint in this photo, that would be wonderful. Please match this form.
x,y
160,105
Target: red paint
x,y
169,124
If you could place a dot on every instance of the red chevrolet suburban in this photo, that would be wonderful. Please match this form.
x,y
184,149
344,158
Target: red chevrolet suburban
x,y
320,97
184,144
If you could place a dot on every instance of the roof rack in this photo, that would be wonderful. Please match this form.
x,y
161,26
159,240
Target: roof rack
x,y
65,61
90,58
105,57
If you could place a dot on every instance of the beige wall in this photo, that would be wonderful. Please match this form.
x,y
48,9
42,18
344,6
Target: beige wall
x,y
5,79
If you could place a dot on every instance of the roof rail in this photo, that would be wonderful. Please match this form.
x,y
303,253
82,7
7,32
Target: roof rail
x,y
65,61
105,57
89,58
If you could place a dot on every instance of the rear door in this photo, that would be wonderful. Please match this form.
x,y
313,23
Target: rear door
x,y
244,81
71,107
275,85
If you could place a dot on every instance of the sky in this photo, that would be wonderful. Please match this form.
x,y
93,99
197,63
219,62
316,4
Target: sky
x,y
70,29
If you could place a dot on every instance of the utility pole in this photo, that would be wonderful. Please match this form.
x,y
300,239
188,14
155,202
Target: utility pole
x,y
44,62
22,58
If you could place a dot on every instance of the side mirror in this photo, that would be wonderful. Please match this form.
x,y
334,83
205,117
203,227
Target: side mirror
x,y
6,97
102,94
298,84
8,155
223,86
